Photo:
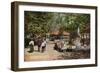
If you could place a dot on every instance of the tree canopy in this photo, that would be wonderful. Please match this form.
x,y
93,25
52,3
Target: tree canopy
x,y
40,23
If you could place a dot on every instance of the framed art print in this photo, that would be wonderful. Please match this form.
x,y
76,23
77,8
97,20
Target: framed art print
x,y
52,36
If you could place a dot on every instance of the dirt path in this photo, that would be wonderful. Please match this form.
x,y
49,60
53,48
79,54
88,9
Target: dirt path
x,y
49,54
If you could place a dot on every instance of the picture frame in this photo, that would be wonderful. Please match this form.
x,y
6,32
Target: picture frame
x,y
21,59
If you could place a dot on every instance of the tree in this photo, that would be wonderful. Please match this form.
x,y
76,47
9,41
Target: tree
x,y
37,23
40,23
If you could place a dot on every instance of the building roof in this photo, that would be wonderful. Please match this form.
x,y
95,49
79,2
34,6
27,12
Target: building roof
x,y
57,33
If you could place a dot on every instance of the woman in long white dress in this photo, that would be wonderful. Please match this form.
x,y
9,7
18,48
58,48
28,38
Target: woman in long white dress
x,y
31,44
43,46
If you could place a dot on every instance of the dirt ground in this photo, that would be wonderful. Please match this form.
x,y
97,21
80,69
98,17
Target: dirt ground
x,y
51,54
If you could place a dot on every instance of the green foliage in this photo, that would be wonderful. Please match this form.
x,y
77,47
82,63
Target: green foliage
x,y
40,23
37,22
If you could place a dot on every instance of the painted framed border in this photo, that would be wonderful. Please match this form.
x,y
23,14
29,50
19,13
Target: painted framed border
x,y
17,36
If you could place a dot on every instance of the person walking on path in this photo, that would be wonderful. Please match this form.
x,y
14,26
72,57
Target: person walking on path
x,y
31,44
43,46
39,44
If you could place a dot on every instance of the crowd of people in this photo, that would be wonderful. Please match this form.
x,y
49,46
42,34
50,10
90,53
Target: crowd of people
x,y
41,44
59,46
